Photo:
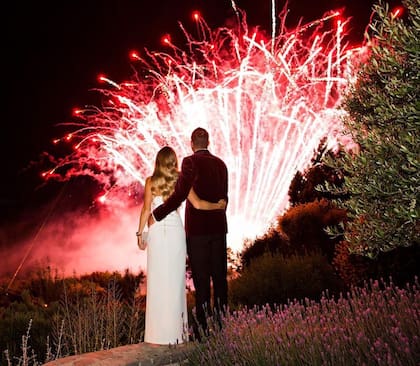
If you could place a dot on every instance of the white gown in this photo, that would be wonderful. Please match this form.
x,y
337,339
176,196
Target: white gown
x,y
166,303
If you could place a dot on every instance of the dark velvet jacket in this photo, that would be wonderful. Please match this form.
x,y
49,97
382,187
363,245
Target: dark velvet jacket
x,y
208,175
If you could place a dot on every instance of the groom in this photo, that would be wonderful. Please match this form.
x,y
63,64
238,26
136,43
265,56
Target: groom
x,y
205,230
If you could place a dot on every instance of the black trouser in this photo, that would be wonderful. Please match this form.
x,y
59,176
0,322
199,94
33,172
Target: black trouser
x,y
208,259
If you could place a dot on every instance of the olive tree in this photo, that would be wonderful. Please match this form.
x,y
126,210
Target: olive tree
x,y
382,105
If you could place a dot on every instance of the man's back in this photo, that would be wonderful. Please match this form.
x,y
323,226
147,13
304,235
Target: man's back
x,y
210,182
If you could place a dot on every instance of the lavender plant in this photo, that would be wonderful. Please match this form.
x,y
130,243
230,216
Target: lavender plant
x,y
377,324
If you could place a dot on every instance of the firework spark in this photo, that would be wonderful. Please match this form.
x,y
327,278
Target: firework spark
x,y
266,103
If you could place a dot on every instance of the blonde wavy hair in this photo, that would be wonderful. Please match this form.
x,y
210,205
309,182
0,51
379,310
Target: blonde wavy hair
x,y
166,173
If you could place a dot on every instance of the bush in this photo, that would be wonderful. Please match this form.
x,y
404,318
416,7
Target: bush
x,y
273,241
303,187
61,317
101,320
14,322
275,279
305,224
401,264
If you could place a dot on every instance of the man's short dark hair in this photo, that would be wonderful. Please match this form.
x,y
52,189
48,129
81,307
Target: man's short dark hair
x,y
200,138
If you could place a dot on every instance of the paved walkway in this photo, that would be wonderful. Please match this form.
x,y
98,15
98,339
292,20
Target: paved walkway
x,y
141,354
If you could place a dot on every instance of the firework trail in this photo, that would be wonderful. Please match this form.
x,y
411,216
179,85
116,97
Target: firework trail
x,y
266,103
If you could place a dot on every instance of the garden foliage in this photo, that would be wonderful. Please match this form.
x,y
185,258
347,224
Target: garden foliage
x,y
383,179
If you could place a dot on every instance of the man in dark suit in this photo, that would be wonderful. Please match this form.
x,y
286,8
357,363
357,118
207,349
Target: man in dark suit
x,y
205,230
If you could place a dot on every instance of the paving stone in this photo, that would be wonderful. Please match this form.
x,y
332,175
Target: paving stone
x,y
141,354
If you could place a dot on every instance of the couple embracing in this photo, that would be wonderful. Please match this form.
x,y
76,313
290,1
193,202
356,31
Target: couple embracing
x,y
203,183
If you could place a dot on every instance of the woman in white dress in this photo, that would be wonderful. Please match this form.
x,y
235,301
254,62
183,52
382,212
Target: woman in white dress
x,y
166,305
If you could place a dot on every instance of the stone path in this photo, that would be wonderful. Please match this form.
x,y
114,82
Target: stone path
x,y
141,354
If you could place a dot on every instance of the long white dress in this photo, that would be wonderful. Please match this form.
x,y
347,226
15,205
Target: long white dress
x,y
166,304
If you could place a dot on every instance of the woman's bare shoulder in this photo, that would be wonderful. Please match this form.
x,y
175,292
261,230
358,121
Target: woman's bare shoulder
x,y
148,183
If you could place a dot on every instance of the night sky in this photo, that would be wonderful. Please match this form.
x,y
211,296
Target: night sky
x,y
53,52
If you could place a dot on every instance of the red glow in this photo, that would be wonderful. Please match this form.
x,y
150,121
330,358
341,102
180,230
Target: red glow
x,y
134,55
166,39
196,15
102,198
102,244
69,136
101,78
76,112
397,12
47,173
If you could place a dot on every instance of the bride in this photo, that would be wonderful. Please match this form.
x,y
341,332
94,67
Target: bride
x,y
166,305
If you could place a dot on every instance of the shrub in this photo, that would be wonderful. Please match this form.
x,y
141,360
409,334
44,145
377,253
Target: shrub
x,y
101,320
87,317
14,322
305,224
275,278
401,265
303,187
271,242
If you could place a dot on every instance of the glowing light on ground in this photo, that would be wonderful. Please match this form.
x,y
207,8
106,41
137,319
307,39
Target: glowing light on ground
x,y
267,103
